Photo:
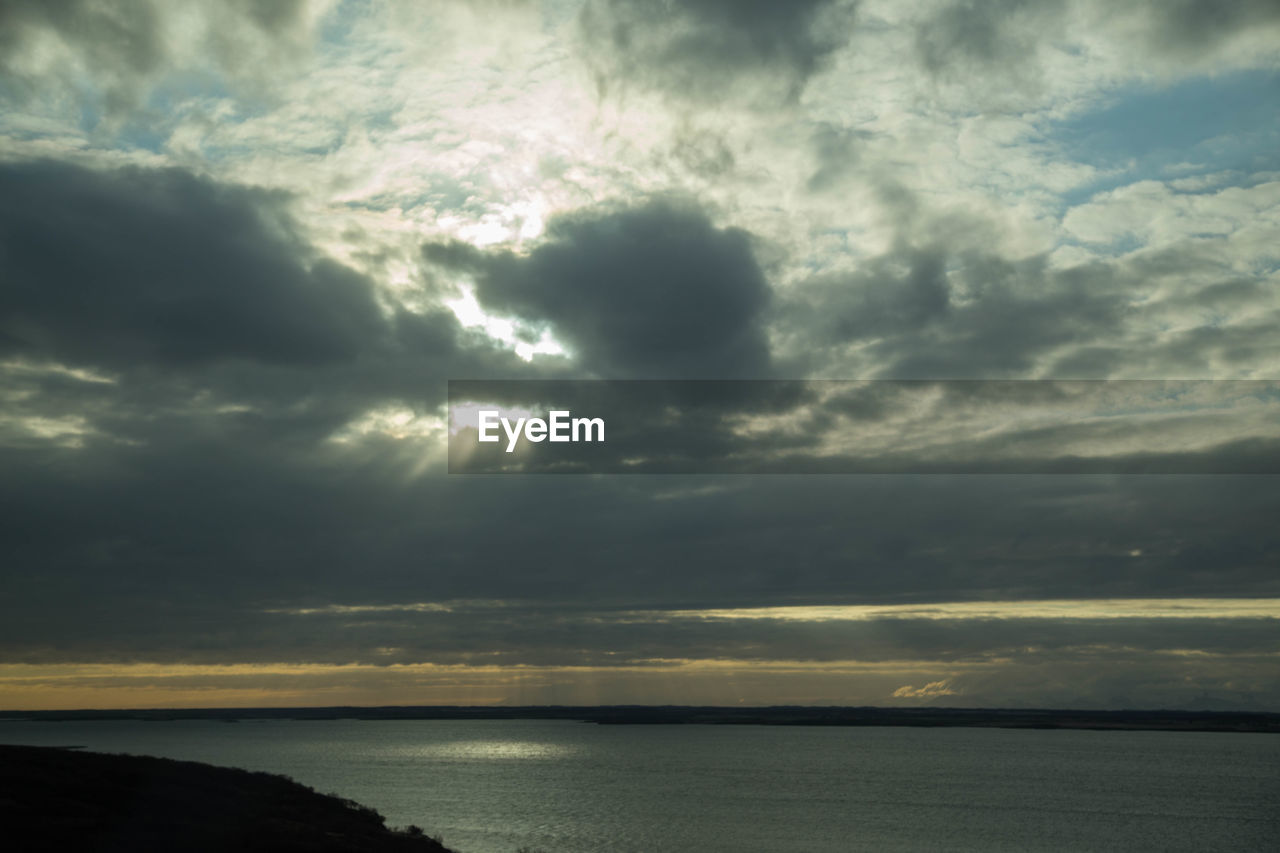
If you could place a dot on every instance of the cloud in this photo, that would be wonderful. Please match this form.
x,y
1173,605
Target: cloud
x,y
162,267
654,291
1232,225
220,406
1151,282
895,293
181,544
119,50
1192,28
1107,662
1027,46
997,34
151,308
950,311
704,50
932,690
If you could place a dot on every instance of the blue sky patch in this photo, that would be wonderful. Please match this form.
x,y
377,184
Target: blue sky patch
x,y
1230,121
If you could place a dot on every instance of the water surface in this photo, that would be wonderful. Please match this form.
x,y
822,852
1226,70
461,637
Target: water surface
x,y
490,786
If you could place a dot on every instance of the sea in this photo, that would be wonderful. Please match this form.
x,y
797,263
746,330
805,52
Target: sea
x,y
495,786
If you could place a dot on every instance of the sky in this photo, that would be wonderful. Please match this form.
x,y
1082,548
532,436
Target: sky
x,y
244,246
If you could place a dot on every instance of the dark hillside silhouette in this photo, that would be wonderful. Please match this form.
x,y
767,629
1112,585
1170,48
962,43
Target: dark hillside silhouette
x,y
68,801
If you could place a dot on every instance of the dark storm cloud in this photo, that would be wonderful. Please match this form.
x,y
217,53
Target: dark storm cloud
x,y
647,292
702,50
178,548
195,544
161,266
194,296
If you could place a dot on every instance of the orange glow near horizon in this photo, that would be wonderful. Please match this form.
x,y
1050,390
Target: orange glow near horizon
x,y
31,687
98,686
727,681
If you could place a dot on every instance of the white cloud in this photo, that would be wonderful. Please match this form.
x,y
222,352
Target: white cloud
x,y
929,691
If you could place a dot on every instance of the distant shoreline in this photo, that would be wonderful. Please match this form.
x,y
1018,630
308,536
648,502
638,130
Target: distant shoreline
x,y
1127,720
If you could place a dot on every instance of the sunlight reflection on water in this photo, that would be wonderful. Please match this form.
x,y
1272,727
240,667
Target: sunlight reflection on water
x,y
487,750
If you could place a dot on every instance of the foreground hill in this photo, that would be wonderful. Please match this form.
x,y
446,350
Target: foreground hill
x,y
64,800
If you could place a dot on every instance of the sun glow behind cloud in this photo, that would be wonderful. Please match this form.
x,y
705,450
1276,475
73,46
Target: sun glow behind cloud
x,y
393,422
472,316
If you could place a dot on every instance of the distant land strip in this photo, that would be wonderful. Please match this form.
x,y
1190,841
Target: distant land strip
x,y
1129,720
